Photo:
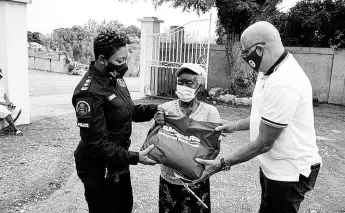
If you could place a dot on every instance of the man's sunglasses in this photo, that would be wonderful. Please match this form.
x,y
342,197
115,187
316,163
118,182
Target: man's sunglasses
x,y
245,52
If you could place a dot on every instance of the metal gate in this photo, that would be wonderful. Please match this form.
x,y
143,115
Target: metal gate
x,y
173,48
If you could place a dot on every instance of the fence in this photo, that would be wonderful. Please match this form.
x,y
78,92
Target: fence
x,y
325,68
48,64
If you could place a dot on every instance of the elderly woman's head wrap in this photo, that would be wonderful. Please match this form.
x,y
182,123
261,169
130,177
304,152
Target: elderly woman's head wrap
x,y
196,68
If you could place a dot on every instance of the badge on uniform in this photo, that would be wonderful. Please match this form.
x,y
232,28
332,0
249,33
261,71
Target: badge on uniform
x,y
121,82
83,108
87,83
111,97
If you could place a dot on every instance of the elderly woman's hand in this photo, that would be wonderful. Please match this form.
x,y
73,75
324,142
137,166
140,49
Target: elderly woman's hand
x,y
159,116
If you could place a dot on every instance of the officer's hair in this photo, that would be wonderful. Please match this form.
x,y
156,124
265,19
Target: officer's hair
x,y
108,42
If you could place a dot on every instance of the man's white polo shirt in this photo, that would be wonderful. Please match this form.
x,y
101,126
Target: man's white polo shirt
x,y
284,99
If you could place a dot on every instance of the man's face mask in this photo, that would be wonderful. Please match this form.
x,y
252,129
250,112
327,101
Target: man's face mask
x,y
121,69
253,59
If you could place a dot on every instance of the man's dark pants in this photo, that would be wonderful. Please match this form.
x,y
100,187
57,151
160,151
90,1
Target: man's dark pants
x,y
103,195
285,197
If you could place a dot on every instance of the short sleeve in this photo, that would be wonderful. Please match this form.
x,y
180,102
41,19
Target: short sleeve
x,y
279,105
214,115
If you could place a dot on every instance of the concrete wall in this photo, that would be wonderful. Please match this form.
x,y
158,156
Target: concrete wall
x,y
325,68
133,65
337,88
317,64
218,74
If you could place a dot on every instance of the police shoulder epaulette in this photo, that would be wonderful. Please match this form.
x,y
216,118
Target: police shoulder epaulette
x,y
87,83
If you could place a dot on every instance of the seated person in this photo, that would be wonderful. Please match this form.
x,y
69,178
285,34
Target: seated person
x,y
172,195
6,107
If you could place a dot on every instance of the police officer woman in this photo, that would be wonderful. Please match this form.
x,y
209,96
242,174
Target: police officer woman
x,y
105,112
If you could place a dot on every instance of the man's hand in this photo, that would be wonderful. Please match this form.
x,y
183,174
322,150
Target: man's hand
x,y
159,116
211,168
144,158
227,128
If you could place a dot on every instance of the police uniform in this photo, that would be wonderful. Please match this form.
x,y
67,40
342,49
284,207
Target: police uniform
x,y
105,112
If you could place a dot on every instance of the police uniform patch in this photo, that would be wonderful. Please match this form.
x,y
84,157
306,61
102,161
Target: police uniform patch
x,y
121,82
83,108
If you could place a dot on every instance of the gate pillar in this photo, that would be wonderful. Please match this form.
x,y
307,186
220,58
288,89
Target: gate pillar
x,y
149,26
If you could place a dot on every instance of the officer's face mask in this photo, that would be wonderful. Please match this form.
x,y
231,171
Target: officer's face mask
x,y
120,69
253,59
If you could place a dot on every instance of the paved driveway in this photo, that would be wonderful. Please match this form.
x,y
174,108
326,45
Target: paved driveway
x,y
49,91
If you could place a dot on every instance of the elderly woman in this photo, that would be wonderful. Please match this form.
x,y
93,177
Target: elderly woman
x,y
6,108
173,197
105,111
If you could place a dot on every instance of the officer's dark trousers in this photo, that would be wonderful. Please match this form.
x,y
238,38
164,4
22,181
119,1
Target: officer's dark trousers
x,y
285,197
104,196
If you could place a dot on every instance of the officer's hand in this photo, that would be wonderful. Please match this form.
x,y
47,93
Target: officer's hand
x,y
227,128
159,116
144,158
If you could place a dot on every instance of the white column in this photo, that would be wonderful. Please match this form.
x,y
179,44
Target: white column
x,y
14,54
149,26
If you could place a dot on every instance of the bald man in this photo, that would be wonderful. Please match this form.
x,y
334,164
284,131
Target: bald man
x,y
281,124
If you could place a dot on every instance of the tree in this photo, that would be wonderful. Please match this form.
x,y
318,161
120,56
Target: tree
x,y
34,37
78,40
313,23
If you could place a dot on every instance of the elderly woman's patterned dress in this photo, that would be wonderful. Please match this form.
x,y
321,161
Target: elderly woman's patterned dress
x,y
173,197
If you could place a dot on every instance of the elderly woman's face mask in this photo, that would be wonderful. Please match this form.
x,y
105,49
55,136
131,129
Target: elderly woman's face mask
x,y
187,86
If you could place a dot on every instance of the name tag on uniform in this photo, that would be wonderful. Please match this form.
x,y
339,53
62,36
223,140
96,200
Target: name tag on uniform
x,y
84,125
111,97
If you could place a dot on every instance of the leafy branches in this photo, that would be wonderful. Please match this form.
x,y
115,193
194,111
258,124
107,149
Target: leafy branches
x,y
313,23
78,40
